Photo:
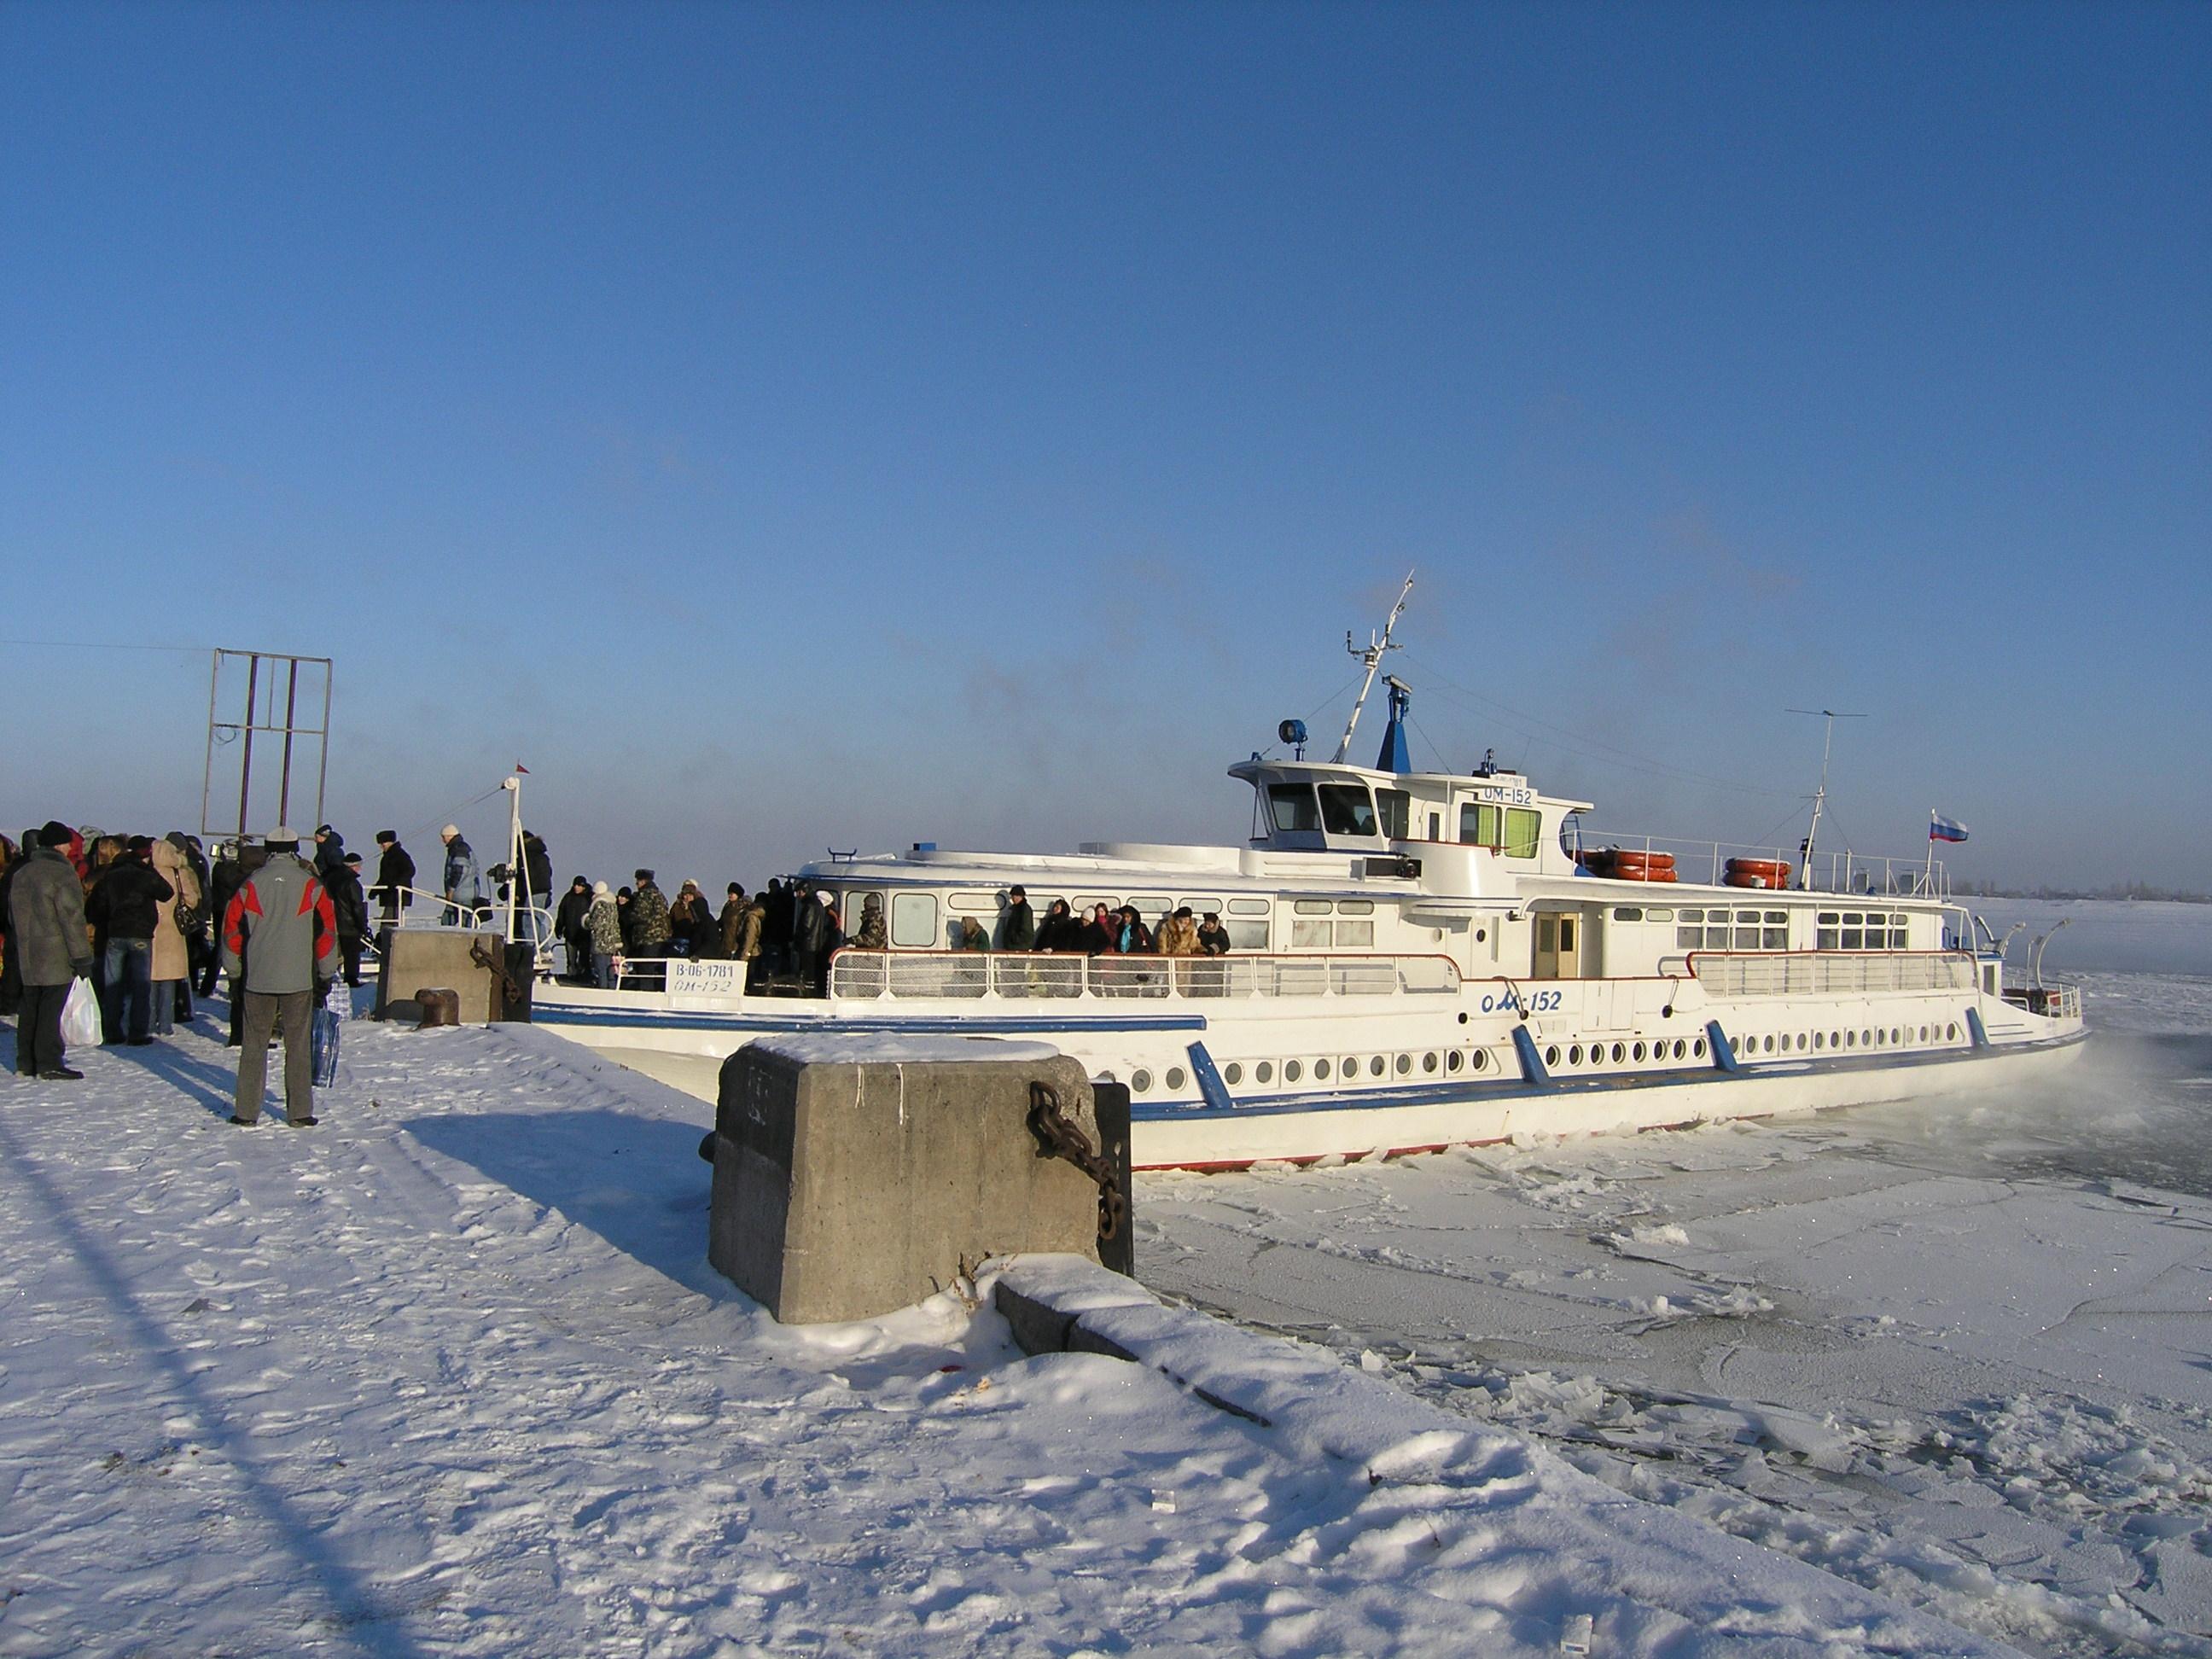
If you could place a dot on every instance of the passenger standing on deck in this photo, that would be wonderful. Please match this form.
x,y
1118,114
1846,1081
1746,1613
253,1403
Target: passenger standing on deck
x,y
463,888
750,929
691,928
279,941
1097,936
1017,922
871,936
1178,934
573,924
782,912
395,874
603,926
648,911
810,940
732,919
47,930
1213,937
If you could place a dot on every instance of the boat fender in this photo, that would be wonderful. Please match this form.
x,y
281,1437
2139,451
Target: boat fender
x,y
1723,1051
1210,1086
1975,1029
1532,1068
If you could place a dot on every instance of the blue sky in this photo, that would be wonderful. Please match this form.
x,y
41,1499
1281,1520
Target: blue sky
x,y
788,427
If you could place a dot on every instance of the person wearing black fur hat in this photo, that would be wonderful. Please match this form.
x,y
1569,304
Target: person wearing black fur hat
x,y
126,904
47,927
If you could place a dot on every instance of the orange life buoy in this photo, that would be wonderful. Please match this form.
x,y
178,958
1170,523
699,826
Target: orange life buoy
x,y
1630,865
1756,873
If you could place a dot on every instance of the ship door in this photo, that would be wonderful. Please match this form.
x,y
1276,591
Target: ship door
x,y
1559,945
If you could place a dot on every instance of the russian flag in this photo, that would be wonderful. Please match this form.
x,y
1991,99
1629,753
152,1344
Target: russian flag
x,y
1942,828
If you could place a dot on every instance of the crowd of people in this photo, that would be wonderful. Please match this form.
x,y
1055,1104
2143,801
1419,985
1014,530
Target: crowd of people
x,y
146,925
152,924
787,932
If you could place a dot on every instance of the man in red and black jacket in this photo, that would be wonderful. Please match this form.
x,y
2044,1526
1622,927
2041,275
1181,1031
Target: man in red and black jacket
x,y
280,948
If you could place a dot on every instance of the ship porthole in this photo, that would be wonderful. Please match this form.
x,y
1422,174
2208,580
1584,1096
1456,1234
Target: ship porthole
x,y
1697,1047
1574,1053
1175,1079
1638,1051
1835,1039
1139,1081
1770,1043
1405,1064
1428,1062
1454,1060
1951,1032
1374,1066
1552,1055
1678,1047
1896,1036
1233,1072
1320,1070
1264,1072
1923,1034
1866,1039
1481,1060
1619,1054
1350,1068
1462,1016
1851,1039
1293,1070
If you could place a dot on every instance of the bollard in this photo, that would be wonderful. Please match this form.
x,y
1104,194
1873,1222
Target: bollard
x,y
858,1174
439,1007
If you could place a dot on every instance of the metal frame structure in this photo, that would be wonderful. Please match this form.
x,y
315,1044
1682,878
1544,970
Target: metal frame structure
x,y
286,665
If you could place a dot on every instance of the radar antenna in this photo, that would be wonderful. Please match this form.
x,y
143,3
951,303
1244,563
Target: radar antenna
x,y
1371,655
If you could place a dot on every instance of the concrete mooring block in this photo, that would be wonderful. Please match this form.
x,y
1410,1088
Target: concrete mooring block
x,y
419,958
854,1175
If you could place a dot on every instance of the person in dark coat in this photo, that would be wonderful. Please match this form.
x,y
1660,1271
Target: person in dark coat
x,y
1060,930
330,852
813,932
11,971
349,913
573,923
197,935
47,931
775,936
1095,937
395,873
692,931
125,904
1017,922
1213,937
226,877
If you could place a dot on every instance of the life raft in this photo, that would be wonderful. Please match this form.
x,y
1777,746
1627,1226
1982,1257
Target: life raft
x,y
1629,864
1755,873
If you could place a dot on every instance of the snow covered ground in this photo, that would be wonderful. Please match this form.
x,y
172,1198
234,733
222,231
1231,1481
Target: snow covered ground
x,y
1959,1352
449,1375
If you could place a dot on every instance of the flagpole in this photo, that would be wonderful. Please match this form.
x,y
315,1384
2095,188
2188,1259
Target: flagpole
x,y
1928,879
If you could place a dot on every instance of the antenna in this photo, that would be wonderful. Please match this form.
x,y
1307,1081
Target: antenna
x,y
1372,656
1819,795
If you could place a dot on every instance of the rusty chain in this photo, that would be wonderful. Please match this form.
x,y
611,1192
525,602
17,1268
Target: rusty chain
x,y
484,958
1060,1136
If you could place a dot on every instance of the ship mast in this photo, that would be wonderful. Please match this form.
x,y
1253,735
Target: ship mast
x,y
1371,655
1819,795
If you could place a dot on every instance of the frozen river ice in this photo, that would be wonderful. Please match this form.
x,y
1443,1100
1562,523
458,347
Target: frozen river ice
x,y
1959,1350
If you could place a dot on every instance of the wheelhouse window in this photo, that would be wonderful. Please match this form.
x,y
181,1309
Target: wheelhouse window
x,y
913,920
1292,807
1346,810
1478,824
1396,808
1522,825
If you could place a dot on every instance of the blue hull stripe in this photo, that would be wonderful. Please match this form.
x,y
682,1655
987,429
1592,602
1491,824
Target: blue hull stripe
x,y
1506,1088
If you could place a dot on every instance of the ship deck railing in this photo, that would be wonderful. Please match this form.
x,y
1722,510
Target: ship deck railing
x,y
1829,973
1845,874
871,975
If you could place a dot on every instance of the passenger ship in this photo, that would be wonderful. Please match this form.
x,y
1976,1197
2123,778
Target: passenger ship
x,y
1421,959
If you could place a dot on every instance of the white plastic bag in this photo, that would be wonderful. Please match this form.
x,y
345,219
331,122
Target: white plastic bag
x,y
80,1017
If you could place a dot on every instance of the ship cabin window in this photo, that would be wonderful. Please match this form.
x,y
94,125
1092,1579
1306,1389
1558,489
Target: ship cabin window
x,y
1859,930
913,920
1511,831
1346,810
1292,807
977,904
1396,808
1627,912
1247,922
1311,930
